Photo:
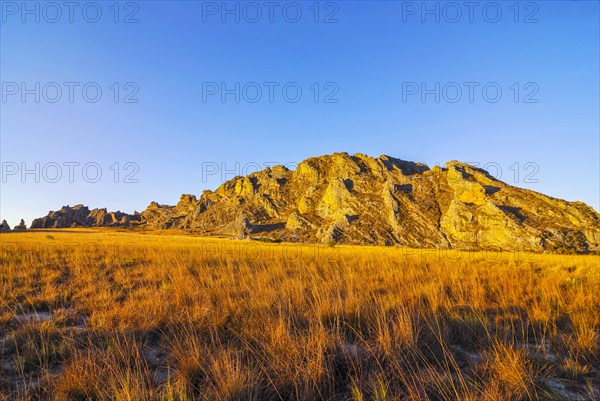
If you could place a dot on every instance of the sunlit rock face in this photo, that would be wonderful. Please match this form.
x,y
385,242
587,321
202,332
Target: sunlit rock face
x,y
386,201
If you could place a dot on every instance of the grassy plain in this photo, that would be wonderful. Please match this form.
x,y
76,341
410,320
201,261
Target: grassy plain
x,y
115,315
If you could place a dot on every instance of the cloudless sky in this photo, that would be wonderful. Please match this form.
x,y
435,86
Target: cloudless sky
x,y
367,58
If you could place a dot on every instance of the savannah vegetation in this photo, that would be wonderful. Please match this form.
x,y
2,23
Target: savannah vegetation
x,y
116,315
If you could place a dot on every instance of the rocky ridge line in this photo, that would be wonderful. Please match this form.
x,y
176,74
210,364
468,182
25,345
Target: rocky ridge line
x,y
359,199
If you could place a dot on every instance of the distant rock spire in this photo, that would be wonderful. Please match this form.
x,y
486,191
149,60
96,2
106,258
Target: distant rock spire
x,y
22,226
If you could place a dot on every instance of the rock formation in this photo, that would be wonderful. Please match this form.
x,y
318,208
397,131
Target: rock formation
x,y
21,227
82,216
364,200
4,226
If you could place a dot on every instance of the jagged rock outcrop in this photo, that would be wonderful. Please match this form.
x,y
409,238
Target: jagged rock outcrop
x,y
164,216
297,222
21,227
82,216
4,226
239,228
364,200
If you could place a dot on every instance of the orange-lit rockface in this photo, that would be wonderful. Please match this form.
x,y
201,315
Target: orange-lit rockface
x,y
364,200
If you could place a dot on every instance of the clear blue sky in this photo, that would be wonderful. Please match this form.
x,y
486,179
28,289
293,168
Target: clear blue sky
x,y
370,56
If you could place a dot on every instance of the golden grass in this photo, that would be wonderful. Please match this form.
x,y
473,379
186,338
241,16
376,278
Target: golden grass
x,y
111,315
